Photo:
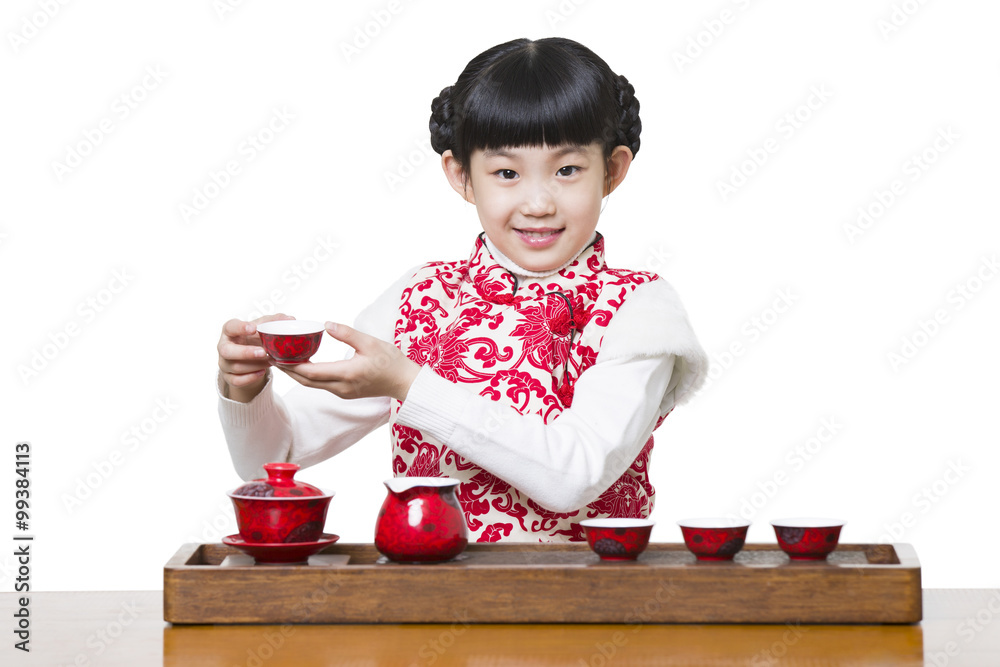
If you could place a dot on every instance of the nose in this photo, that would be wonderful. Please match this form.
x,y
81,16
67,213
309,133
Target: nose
x,y
539,201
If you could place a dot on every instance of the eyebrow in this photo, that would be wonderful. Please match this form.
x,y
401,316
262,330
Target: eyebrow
x,y
565,150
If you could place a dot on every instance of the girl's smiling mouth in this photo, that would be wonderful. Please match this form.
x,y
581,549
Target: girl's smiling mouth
x,y
538,237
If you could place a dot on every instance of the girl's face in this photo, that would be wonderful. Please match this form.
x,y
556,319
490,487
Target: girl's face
x,y
539,205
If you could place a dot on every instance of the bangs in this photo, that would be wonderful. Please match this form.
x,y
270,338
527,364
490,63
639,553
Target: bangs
x,y
534,96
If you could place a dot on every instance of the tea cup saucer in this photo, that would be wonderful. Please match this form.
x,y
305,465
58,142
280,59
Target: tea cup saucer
x,y
282,553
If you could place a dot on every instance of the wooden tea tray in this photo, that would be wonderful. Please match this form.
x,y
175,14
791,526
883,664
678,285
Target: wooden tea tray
x,y
548,583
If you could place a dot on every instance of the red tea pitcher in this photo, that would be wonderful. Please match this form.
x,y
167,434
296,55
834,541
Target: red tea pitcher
x,y
421,520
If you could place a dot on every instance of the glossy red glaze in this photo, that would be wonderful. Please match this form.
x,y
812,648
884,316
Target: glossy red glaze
x,y
279,483
619,542
291,348
422,524
813,543
280,509
296,552
714,543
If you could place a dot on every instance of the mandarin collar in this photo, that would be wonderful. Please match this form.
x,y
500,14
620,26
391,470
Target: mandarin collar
x,y
496,284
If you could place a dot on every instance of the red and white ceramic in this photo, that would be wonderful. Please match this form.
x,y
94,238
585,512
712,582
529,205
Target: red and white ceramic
x,y
291,341
280,509
284,554
617,539
714,538
421,521
808,538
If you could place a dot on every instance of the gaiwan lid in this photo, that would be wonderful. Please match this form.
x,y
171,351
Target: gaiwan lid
x,y
280,483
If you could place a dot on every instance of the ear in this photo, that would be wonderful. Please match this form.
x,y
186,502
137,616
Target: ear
x,y
457,177
617,167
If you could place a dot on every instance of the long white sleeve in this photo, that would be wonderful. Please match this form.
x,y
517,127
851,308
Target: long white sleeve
x,y
306,425
562,465
649,361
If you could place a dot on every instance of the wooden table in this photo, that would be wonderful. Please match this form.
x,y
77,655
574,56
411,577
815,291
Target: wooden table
x,y
126,628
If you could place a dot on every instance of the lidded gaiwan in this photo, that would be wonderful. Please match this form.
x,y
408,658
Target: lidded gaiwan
x,y
280,509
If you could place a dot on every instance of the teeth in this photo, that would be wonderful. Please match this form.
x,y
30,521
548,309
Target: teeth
x,y
538,235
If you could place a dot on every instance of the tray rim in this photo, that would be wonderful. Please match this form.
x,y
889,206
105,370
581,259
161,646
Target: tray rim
x,y
905,553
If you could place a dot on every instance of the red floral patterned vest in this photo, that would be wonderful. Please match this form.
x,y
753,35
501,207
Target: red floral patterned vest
x,y
522,346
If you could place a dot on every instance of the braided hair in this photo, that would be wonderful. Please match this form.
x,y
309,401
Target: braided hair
x,y
528,93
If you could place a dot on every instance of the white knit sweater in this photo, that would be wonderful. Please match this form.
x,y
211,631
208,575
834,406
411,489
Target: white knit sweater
x,y
649,362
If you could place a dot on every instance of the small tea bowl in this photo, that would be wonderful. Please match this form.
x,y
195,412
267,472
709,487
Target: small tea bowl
x,y
280,509
617,539
291,341
807,538
714,539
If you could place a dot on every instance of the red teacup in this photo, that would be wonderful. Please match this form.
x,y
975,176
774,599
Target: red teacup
x,y
808,538
714,539
291,341
617,539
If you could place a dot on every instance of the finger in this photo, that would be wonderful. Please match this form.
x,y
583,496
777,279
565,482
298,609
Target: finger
x,y
243,379
346,334
238,331
236,352
238,367
322,372
236,327
292,372
343,389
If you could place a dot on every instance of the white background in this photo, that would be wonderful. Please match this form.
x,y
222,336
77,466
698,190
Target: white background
x,y
889,90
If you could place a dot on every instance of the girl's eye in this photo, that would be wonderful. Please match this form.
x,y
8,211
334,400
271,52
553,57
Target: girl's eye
x,y
568,171
506,174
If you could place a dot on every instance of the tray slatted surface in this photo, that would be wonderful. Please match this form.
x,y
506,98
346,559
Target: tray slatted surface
x,y
549,583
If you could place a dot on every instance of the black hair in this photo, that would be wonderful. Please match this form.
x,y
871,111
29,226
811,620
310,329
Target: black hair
x,y
527,93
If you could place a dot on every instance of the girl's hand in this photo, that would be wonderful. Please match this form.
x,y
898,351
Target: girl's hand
x,y
242,360
378,368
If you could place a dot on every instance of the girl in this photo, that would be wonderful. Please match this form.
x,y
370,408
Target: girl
x,y
530,371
